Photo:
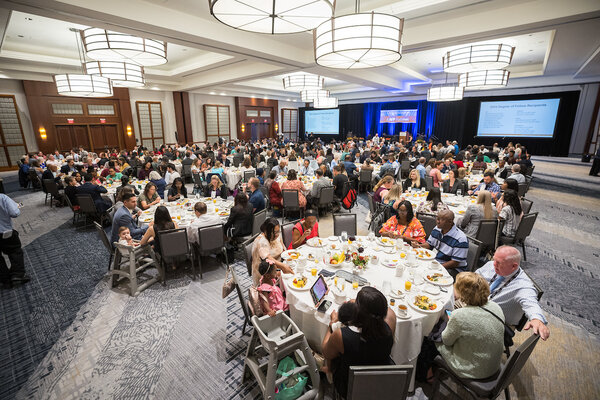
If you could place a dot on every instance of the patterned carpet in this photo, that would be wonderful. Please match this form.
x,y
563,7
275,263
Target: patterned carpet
x,y
68,335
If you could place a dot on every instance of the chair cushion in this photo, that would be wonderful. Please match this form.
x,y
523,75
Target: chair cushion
x,y
482,387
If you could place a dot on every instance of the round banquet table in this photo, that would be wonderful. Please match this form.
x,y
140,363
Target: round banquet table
x,y
306,180
233,176
182,211
409,331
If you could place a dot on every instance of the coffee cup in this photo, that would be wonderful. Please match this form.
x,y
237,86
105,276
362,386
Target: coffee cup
x,y
402,310
436,266
400,269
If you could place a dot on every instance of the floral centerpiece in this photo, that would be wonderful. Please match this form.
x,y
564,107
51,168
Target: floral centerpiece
x,y
360,262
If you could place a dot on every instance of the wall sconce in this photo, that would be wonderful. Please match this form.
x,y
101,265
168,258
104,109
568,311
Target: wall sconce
x,y
243,128
43,133
129,132
276,127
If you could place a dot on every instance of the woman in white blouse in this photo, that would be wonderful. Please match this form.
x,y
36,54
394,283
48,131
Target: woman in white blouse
x,y
268,245
511,212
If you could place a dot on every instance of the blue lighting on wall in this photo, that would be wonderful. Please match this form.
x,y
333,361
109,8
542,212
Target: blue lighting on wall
x,y
425,118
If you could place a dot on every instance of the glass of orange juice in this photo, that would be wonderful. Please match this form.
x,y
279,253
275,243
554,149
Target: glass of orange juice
x,y
214,201
216,209
407,285
355,284
335,281
179,217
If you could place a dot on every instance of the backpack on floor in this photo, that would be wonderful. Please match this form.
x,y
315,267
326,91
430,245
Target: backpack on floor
x,y
349,200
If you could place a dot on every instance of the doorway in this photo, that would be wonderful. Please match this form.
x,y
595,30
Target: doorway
x,y
72,136
260,131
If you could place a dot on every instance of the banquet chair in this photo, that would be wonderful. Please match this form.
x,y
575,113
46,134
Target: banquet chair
x,y
249,174
329,158
489,388
326,197
198,183
428,221
429,182
365,178
475,248
486,233
522,189
105,242
174,247
526,205
404,169
265,192
131,263
286,232
88,208
211,240
528,180
257,220
187,173
344,222
523,231
243,301
237,160
52,190
381,382
76,210
349,185
247,245
291,201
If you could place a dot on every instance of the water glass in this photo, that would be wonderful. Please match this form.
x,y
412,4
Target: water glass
x,y
344,236
371,236
458,192
386,288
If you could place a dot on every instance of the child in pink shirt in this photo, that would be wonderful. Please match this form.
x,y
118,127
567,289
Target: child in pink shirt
x,y
272,299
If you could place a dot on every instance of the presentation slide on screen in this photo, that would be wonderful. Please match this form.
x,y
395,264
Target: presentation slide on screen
x,y
322,122
522,118
398,116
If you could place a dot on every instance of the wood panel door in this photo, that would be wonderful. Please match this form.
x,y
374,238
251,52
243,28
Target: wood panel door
x,y
72,136
104,136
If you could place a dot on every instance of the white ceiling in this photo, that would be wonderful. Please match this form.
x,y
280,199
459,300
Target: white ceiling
x,y
556,42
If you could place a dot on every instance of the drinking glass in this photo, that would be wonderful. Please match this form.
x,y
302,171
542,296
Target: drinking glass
x,y
422,190
313,271
371,236
458,192
344,236
386,287
354,283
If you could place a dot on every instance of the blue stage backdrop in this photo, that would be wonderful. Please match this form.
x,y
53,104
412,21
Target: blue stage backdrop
x,y
424,124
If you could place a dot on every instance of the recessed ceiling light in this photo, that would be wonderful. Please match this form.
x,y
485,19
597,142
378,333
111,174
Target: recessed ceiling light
x,y
155,88
287,100
253,96
266,98
223,94
212,93
294,100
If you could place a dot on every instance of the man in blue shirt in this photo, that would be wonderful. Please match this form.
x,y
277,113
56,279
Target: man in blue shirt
x,y
349,166
489,184
10,244
387,168
421,167
450,242
257,199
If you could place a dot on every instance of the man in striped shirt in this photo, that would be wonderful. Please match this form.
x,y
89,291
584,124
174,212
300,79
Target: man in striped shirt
x,y
450,242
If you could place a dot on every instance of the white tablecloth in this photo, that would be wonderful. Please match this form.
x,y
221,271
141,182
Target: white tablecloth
x,y
409,332
182,211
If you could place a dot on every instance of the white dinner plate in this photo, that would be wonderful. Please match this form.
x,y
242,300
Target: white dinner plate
x,y
333,238
309,282
434,290
443,281
287,255
397,293
411,303
386,242
390,263
424,256
315,242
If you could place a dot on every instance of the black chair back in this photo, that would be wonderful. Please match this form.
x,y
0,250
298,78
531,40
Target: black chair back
x,y
522,189
249,174
86,204
247,245
371,204
526,205
515,363
428,221
211,238
429,182
365,176
257,220
475,248
326,194
404,168
385,382
173,243
344,222
525,227
51,187
187,171
197,179
103,237
286,232
486,232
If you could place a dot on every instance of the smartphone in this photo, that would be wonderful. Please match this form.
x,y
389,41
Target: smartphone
x,y
448,313
324,306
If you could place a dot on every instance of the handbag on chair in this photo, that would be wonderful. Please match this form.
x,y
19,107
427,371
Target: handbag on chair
x,y
228,285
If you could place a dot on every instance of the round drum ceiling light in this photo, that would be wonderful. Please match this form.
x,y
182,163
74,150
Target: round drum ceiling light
x,y
478,57
309,95
103,45
483,79
79,85
120,73
302,81
445,93
325,102
363,40
272,16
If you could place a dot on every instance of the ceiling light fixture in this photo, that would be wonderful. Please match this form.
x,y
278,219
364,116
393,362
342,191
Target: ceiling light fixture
x,y
445,92
360,40
490,79
120,73
309,95
103,45
272,16
81,85
302,82
325,102
478,57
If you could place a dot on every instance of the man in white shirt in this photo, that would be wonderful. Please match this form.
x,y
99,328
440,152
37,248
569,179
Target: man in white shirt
x,y
171,174
513,291
202,219
306,169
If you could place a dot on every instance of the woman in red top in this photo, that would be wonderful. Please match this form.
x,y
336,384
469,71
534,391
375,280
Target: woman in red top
x,y
305,229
